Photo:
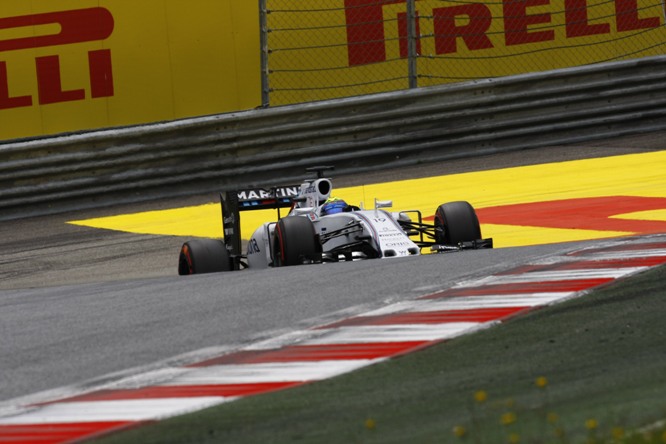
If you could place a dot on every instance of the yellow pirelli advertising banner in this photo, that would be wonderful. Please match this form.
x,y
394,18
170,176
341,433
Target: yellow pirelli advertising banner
x,y
70,65
322,49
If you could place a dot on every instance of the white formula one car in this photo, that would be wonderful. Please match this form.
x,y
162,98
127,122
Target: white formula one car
x,y
320,229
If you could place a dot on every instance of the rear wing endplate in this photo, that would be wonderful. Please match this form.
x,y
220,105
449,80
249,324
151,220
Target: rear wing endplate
x,y
233,202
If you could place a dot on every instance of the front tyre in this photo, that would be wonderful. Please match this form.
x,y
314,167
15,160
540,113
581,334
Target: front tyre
x,y
295,242
203,256
456,222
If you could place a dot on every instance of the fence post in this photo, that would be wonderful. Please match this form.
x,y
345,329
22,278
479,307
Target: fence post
x,y
263,42
411,43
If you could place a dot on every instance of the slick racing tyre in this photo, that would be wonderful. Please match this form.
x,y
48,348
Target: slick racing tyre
x,y
203,256
456,222
295,242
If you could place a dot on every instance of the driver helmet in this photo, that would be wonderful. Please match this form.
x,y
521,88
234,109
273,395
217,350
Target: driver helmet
x,y
333,205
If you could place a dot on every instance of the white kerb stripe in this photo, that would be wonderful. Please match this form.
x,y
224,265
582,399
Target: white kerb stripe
x,y
269,372
393,333
123,410
625,254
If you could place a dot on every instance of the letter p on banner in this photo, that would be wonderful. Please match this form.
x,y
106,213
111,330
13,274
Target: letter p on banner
x,y
77,26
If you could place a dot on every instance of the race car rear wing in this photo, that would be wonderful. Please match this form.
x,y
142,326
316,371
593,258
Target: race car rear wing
x,y
233,202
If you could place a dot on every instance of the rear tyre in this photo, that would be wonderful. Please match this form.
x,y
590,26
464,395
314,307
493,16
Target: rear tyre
x,y
456,222
295,242
203,256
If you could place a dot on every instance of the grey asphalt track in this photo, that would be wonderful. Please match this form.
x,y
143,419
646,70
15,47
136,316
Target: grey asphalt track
x,y
64,335
78,303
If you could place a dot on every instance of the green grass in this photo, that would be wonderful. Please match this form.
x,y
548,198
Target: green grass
x,y
603,356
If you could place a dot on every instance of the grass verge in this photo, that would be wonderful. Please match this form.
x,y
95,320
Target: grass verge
x,y
588,370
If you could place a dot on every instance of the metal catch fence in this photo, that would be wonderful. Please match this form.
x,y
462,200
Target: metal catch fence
x,y
326,49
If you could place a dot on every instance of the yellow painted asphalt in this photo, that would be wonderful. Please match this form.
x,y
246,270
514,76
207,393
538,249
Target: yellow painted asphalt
x,y
636,181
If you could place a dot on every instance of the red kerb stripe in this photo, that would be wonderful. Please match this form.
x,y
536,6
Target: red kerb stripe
x,y
431,317
300,353
522,288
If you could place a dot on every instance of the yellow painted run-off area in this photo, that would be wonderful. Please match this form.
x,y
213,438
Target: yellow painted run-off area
x,y
530,205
